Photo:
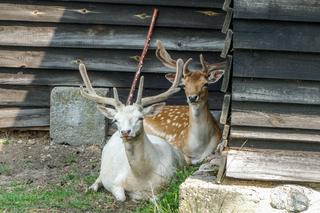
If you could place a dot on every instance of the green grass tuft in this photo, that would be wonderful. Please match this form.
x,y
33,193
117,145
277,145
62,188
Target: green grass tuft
x,y
168,202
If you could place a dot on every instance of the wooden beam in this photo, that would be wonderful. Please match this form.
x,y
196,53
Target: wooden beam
x,y
284,10
227,74
276,65
274,165
227,21
275,115
39,96
42,77
275,35
95,59
275,91
227,44
294,135
227,5
225,109
88,13
17,117
226,132
179,3
245,143
104,36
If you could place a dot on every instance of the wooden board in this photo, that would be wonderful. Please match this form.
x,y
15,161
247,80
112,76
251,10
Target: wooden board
x,y
103,36
276,91
275,115
39,96
84,13
285,10
239,144
294,135
98,59
36,77
277,65
19,117
274,165
180,3
278,36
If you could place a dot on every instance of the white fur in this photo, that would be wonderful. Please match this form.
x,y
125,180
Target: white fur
x,y
139,165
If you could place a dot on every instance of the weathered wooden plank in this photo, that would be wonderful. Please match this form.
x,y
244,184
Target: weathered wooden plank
x,y
275,115
274,165
277,65
179,3
294,135
279,36
42,77
227,74
286,10
95,59
103,36
226,132
17,117
238,143
227,21
72,12
39,96
225,109
276,91
227,44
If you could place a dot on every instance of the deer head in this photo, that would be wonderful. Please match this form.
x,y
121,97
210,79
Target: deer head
x,y
195,82
128,118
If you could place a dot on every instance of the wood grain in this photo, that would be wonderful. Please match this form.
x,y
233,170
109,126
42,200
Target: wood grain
x,y
88,13
274,165
104,36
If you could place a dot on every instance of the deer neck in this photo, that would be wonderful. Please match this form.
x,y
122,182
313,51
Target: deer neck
x,y
139,151
201,128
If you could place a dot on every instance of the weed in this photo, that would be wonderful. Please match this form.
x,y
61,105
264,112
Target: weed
x,y
5,169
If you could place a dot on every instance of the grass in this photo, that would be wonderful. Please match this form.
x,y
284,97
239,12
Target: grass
x,y
5,169
70,195
5,141
169,200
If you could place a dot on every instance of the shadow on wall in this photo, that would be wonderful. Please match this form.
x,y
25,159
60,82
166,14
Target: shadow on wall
x,y
43,42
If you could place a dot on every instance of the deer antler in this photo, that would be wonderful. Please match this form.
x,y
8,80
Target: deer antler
x,y
89,93
165,58
163,96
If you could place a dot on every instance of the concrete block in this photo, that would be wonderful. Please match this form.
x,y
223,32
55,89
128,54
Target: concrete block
x,y
75,120
200,194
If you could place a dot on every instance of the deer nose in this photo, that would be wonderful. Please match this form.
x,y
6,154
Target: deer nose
x,y
125,133
193,98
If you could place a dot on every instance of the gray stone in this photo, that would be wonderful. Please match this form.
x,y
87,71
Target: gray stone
x,y
75,120
199,193
289,197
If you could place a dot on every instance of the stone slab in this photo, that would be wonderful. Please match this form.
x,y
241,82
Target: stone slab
x,y
201,194
75,120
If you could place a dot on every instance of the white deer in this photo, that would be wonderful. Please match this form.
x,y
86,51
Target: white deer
x,y
191,129
133,162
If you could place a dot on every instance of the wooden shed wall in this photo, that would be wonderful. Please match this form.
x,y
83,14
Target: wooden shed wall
x,y
41,43
275,107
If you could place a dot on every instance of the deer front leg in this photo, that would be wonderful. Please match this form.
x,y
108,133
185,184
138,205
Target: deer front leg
x,y
118,193
96,185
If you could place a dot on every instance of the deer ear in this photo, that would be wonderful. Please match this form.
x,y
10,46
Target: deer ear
x,y
171,76
108,112
214,76
153,109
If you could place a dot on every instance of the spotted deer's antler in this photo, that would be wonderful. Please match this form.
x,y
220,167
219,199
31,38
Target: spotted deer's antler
x,y
165,58
89,93
163,96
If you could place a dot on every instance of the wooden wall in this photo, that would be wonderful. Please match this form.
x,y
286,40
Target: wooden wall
x,y
275,91
41,43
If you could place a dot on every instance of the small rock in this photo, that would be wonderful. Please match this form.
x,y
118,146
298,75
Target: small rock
x,y
289,197
19,141
46,148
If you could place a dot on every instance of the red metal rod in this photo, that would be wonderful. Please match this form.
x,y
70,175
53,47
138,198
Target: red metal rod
x,y
143,54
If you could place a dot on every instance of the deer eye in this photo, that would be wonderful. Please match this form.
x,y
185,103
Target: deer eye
x,y
140,119
205,85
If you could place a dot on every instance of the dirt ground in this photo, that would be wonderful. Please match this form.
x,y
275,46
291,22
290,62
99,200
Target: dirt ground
x,y
28,157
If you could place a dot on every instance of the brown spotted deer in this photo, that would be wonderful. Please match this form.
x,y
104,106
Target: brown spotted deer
x,y
133,161
191,129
